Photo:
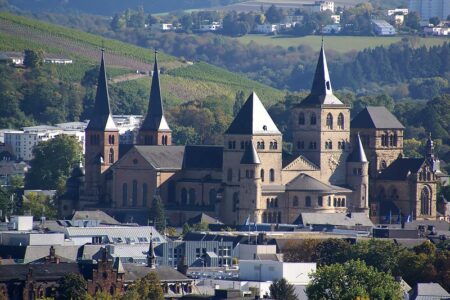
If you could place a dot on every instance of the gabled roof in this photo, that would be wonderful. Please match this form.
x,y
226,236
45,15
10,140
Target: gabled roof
x,y
358,154
290,160
253,118
94,215
101,116
163,157
401,168
377,117
155,120
203,157
250,156
304,182
432,291
203,218
41,272
336,219
165,274
321,91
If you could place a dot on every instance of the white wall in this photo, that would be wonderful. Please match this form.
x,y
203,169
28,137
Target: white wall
x,y
248,252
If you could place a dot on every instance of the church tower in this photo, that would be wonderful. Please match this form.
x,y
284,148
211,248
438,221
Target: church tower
x,y
252,127
155,130
250,186
321,126
102,140
358,178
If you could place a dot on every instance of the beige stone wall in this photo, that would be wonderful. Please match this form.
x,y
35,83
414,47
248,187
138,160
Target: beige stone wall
x,y
331,160
156,137
358,180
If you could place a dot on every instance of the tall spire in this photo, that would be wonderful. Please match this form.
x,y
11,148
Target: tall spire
x,y
358,154
101,116
429,147
321,91
250,156
155,119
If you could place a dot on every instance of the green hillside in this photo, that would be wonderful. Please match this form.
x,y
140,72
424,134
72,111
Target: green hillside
x,y
183,80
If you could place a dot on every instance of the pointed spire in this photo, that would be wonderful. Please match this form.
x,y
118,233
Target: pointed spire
x,y
155,119
151,257
358,154
250,156
118,266
253,118
101,116
321,91
429,147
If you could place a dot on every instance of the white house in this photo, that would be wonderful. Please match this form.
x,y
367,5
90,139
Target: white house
x,y
437,30
381,27
162,26
319,6
266,28
214,26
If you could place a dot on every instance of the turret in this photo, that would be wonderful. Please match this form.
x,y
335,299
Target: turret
x,y
250,186
358,177
151,257
154,129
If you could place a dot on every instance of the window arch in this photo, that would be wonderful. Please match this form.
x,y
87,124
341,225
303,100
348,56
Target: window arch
x,y
295,201
391,140
111,156
192,196
272,175
329,121
425,201
329,200
313,119
340,121
262,175
267,203
301,119
383,164
308,201
184,196
235,201
343,202
320,201
229,174
134,193
329,145
124,194
144,194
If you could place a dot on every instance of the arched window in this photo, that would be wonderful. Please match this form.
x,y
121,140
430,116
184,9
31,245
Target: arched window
x,y
300,145
340,121
192,196
275,202
329,121
295,201
391,140
264,217
267,203
262,145
229,174
235,201
334,202
279,217
338,202
308,201
313,119
320,201
134,193
262,175
329,200
124,194
272,175
301,119
111,156
184,196
329,145
212,196
144,194
425,201
269,219
258,145
343,202
395,139
383,164
275,145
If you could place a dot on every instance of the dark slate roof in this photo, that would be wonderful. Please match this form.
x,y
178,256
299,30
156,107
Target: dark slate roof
x,y
321,91
337,219
253,118
101,116
163,157
94,215
401,168
430,291
304,182
198,236
250,156
165,274
41,272
203,218
203,157
358,154
155,120
377,117
124,148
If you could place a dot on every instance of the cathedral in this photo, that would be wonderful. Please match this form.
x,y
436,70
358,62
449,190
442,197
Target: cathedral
x,y
338,165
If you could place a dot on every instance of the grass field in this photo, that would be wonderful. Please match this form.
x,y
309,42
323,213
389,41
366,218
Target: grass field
x,y
340,44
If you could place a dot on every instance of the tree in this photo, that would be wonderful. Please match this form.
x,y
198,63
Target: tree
x,y
53,161
352,280
186,228
301,251
6,205
435,21
200,227
282,290
186,22
72,287
147,288
238,102
33,58
39,205
332,251
412,20
157,214
274,14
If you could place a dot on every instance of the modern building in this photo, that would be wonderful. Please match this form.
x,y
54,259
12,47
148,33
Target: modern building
x,y
430,8
381,27
319,6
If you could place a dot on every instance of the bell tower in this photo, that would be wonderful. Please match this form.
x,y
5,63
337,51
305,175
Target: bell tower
x,y
102,140
155,130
